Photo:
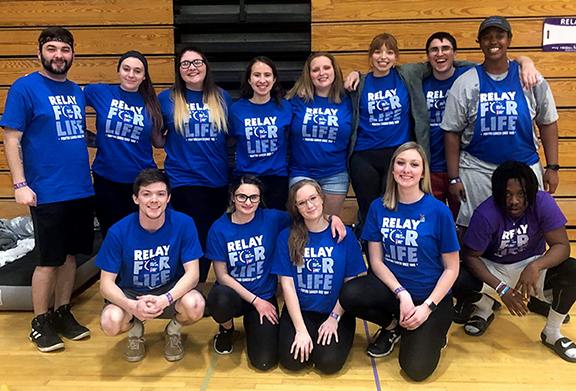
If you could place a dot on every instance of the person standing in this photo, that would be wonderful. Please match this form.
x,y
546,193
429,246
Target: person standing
x,y
44,123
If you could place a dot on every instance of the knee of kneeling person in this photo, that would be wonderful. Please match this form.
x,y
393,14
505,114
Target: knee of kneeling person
x,y
347,296
416,371
329,364
111,322
264,362
192,304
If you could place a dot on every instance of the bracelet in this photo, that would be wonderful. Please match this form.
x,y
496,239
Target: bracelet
x,y
501,285
504,291
20,184
398,290
170,298
456,180
359,73
554,167
335,316
254,299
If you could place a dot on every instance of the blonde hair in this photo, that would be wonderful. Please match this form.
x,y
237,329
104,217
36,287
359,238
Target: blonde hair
x,y
390,199
212,96
305,88
298,230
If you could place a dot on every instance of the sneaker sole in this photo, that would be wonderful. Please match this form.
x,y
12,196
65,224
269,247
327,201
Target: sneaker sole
x,y
384,354
174,358
133,359
49,348
85,334
223,353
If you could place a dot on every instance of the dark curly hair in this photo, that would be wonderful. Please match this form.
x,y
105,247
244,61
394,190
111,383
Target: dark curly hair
x,y
514,170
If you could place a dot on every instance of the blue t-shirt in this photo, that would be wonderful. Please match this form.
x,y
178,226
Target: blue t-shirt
x,y
384,113
260,131
199,157
50,114
319,136
413,239
326,265
123,132
436,92
148,260
503,120
248,249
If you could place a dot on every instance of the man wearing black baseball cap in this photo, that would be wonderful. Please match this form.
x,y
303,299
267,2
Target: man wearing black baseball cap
x,y
489,119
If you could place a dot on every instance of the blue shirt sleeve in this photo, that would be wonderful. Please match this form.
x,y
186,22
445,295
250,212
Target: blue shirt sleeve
x,y
191,248
355,264
216,244
371,231
282,264
17,111
448,236
109,257
89,94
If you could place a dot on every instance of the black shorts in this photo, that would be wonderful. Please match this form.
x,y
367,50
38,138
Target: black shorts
x,y
63,228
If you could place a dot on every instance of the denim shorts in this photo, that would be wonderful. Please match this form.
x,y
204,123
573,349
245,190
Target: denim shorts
x,y
334,184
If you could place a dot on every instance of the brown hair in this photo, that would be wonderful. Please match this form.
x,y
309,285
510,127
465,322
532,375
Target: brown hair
x,y
385,39
305,88
390,198
298,230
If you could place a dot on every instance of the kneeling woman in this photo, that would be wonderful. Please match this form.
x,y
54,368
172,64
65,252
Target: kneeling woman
x,y
242,242
312,267
414,263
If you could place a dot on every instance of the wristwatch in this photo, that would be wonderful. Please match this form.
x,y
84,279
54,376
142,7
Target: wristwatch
x,y
554,167
430,305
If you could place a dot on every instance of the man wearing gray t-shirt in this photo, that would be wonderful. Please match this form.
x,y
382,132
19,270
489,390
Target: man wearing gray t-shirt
x,y
489,119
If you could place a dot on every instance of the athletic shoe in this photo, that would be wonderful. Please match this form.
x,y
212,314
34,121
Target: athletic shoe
x,y
384,341
224,340
43,334
542,308
65,324
135,349
173,348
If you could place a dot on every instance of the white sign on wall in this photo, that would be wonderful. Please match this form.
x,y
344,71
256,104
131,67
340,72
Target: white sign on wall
x,y
559,35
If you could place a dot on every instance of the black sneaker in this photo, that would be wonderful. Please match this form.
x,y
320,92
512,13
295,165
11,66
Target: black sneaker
x,y
223,341
542,308
384,341
463,311
65,324
43,334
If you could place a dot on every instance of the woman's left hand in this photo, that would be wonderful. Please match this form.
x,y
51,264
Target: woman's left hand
x,y
328,329
419,316
338,228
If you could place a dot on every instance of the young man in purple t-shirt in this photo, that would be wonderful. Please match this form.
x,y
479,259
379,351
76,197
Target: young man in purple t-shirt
x,y
505,248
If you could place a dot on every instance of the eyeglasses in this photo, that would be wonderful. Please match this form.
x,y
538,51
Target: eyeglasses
x,y
313,200
254,198
198,63
444,49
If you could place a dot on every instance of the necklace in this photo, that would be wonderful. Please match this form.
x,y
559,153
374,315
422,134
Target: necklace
x,y
514,221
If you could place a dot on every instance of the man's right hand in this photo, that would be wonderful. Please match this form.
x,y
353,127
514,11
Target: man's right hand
x,y
25,196
515,303
457,190
144,309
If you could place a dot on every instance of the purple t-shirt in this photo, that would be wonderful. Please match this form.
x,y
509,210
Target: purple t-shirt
x,y
507,241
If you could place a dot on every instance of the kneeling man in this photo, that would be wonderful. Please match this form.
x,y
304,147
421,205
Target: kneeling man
x,y
505,248
154,252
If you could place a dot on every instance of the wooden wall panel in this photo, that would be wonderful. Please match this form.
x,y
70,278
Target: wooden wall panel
x,y
85,12
379,10
87,69
94,40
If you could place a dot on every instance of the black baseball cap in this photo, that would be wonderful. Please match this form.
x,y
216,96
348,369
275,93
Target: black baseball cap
x,y
495,21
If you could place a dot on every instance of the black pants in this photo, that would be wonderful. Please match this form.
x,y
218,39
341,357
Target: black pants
x,y
205,205
561,279
275,191
261,339
328,359
368,171
369,298
113,202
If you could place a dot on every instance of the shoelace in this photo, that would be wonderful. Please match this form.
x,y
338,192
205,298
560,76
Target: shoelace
x,y
174,341
134,343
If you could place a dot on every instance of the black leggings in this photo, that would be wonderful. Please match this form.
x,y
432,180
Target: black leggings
x,y
329,358
369,298
113,202
205,205
368,172
561,279
261,339
275,191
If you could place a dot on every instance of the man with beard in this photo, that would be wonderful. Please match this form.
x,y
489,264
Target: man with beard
x,y
44,144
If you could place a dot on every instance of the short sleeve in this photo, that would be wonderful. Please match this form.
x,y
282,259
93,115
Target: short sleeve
x,y
109,257
89,92
448,236
455,117
371,231
216,244
17,111
355,264
282,264
479,232
549,214
191,248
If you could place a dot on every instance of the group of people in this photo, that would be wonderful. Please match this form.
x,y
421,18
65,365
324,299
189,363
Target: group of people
x,y
426,146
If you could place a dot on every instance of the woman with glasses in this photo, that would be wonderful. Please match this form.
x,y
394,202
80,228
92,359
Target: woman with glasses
x,y
413,265
259,122
128,122
312,266
242,244
320,131
195,113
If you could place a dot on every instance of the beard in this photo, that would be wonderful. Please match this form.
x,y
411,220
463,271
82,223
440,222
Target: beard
x,y
50,67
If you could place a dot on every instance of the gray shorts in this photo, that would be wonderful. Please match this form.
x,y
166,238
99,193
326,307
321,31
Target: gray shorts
x,y
169,312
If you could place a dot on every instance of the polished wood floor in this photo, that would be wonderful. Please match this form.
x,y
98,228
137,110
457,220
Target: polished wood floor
x,y
508,357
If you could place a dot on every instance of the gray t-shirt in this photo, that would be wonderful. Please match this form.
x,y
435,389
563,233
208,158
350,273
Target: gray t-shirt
x,y
462,105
